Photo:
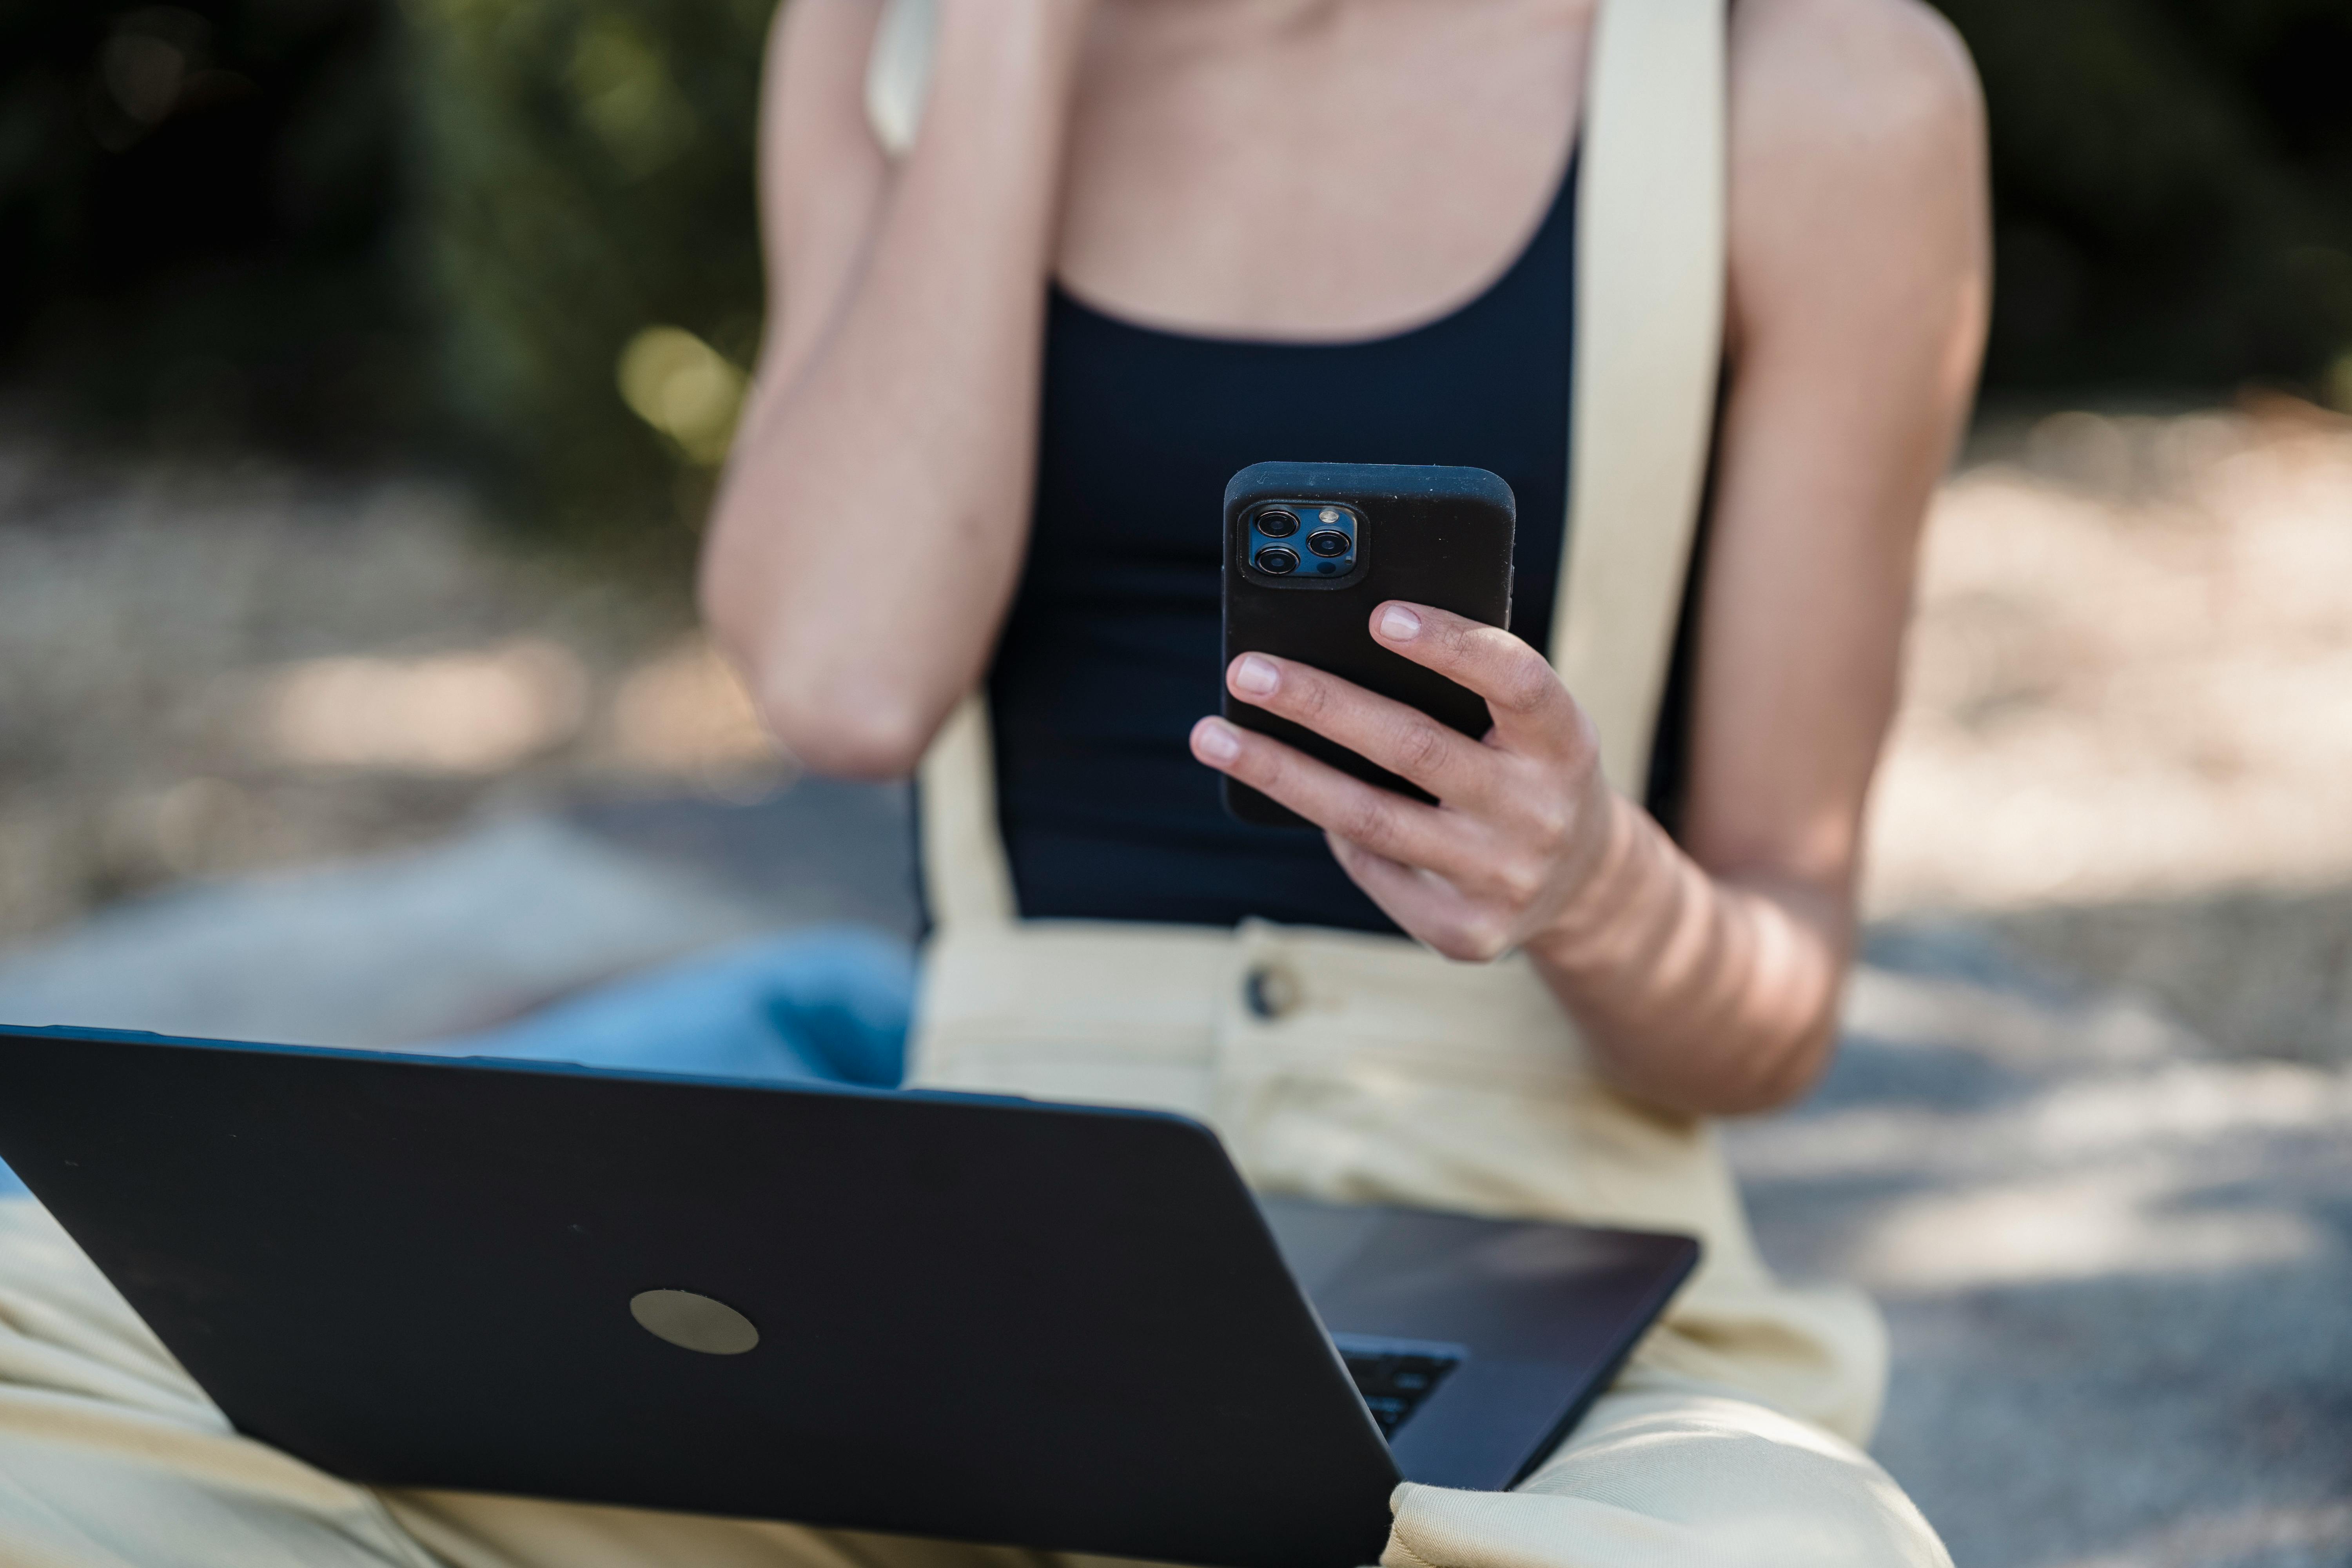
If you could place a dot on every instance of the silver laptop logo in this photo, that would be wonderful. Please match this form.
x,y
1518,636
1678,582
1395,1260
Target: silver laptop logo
x,y
693,1322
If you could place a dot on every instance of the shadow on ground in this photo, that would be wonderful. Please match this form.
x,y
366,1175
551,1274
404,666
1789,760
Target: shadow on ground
x,y
2256,972
2115,1264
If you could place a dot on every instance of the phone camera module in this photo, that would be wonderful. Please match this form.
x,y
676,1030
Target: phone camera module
x,y
1329,542
1276,523
1277,562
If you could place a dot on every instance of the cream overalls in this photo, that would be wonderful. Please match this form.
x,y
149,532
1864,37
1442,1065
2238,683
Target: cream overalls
x,y
1339,1065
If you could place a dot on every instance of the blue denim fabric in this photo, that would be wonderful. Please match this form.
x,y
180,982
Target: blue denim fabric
x,y
829,1005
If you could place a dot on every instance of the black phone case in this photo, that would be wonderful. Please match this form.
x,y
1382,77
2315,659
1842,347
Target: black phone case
x,y
1435,536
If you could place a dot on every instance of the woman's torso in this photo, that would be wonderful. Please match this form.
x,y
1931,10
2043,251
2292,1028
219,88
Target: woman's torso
x,y
1111,649
1183,349
1187,346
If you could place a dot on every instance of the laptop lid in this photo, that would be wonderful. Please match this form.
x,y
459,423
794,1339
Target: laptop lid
x,y
938,1314
981,1319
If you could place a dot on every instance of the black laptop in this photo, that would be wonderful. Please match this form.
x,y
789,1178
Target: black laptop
x,y
973,1317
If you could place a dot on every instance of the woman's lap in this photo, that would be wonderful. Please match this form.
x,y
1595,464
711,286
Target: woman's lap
x,y
111,1458
1744,1482
110,1454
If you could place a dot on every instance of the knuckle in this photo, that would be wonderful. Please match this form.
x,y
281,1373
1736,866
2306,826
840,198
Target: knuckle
x,y
1494,941
1527,682
1548,825
1472,935
1479,942
1421,747
1366,819
1453,945
1309,695
1518,882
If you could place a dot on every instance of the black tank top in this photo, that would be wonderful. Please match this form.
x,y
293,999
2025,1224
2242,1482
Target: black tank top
x,y
1112,650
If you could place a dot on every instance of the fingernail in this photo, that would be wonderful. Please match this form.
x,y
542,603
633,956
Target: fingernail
x,y
1399,624
1215,741
1255,674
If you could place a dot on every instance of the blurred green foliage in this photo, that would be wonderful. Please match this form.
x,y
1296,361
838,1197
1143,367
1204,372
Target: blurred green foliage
x,y
198,211
2174,185
527,228
584,173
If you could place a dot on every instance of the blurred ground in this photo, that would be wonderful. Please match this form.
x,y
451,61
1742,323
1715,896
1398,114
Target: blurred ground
x,y
216,669
2090,1138
2128,728
2112,1261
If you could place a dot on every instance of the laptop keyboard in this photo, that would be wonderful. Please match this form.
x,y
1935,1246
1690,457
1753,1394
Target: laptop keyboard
x,y
1395,1376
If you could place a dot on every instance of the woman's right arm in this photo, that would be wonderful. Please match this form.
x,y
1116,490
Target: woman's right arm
x,y
873,517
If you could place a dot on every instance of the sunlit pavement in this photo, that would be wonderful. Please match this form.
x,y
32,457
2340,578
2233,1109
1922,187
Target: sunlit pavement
x,y
2115,1264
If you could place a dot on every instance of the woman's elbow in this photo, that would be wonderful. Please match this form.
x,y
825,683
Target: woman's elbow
x,y
834,716
842,730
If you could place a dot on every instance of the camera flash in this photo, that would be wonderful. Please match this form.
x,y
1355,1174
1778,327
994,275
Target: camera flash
x,y
1328,514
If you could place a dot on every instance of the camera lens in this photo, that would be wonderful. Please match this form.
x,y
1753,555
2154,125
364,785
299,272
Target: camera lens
x,y
1277,524
1277,562
1327,541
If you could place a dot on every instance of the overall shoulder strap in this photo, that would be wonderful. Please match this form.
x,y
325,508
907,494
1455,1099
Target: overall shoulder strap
x,y
1649,268
899,71
967,877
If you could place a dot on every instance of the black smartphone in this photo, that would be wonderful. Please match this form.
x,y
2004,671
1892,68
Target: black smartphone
x,y
1310,548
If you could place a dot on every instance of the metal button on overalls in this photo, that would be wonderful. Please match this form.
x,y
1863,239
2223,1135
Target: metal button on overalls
x,y
1271,991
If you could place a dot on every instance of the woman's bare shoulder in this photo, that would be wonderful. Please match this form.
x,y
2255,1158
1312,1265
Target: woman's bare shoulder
x,y
1855,84
1858,172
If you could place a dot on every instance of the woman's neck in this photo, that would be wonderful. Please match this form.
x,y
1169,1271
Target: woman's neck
x,y
1265,168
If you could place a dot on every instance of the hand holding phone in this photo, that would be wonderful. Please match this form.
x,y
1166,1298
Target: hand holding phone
x,y
1456,779
1312,548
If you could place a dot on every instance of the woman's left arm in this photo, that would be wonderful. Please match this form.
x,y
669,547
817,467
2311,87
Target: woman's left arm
x,y
1706,975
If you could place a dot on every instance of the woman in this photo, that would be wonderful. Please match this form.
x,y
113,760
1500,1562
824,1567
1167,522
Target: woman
x,y
1075,262
1134,247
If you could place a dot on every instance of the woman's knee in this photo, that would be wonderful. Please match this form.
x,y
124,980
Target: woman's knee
x,y
1764,1487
